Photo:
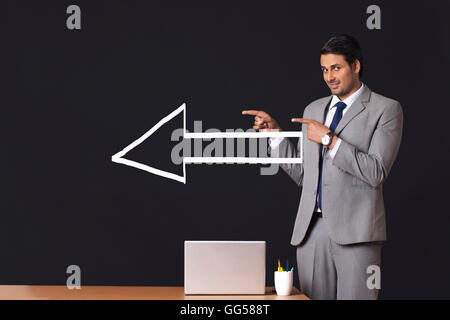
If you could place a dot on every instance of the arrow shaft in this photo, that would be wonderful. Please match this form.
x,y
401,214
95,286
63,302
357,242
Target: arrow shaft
x,y
235,135
240,160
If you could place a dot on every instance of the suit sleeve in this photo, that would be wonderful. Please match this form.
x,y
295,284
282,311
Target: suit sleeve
x,y
286,149
374,166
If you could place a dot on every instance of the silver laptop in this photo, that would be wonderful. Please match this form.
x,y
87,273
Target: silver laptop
x,y
224,267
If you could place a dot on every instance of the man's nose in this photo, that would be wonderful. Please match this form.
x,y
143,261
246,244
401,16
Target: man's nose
x,y
330,76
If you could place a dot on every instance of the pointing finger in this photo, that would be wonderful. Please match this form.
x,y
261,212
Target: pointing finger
x,y
250,112
301,120
257,113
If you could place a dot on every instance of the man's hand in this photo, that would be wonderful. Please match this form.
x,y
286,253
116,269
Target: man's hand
x,y
314,129
263,121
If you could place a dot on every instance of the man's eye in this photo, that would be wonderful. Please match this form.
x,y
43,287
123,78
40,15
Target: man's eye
x,y
336,68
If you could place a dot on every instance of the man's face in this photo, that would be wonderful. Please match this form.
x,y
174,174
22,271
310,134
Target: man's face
x,y
340,77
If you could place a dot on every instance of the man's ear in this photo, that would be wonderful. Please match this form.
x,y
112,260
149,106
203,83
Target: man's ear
x,y
356,66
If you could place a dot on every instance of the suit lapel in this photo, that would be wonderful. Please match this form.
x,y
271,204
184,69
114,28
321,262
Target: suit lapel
x,y
355,109
321,112
319,115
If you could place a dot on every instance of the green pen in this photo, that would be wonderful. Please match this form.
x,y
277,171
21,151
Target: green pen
x,y
292,269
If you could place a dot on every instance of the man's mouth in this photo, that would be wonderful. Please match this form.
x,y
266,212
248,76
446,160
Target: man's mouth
x,y
334,85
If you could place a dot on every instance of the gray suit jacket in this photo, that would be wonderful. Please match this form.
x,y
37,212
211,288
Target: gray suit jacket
x,y
352,195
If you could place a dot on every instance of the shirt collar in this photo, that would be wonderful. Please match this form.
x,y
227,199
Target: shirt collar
x,y
349,100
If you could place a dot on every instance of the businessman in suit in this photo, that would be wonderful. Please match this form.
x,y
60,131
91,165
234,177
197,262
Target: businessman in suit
x,y
352,140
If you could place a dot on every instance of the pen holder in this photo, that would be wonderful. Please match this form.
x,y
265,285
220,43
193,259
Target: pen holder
x,y
284,282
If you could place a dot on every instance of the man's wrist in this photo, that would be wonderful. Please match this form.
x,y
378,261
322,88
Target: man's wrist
x,y
333,142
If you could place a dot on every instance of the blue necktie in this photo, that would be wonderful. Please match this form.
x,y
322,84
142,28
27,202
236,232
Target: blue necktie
x,y
340,106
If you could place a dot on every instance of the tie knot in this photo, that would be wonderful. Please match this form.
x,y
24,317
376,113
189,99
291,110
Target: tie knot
x,y
340,105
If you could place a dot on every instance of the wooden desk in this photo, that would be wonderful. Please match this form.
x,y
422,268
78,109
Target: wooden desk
x,y
126,293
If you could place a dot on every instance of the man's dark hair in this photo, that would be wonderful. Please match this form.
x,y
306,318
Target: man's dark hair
x,y
347,46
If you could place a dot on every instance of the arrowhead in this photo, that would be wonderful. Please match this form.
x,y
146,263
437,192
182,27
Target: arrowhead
x,y
119,156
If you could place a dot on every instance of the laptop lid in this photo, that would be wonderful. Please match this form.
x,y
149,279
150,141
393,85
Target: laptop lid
x,y
224,267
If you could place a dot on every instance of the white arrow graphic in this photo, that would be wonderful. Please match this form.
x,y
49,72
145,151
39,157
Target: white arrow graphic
x,y
119,156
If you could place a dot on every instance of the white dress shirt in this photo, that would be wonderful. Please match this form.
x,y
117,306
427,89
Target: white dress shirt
x,y
274,142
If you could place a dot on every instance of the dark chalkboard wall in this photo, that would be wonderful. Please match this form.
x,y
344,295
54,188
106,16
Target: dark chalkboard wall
x,y
70,99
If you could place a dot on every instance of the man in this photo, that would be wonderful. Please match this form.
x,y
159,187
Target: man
x,y
352,139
